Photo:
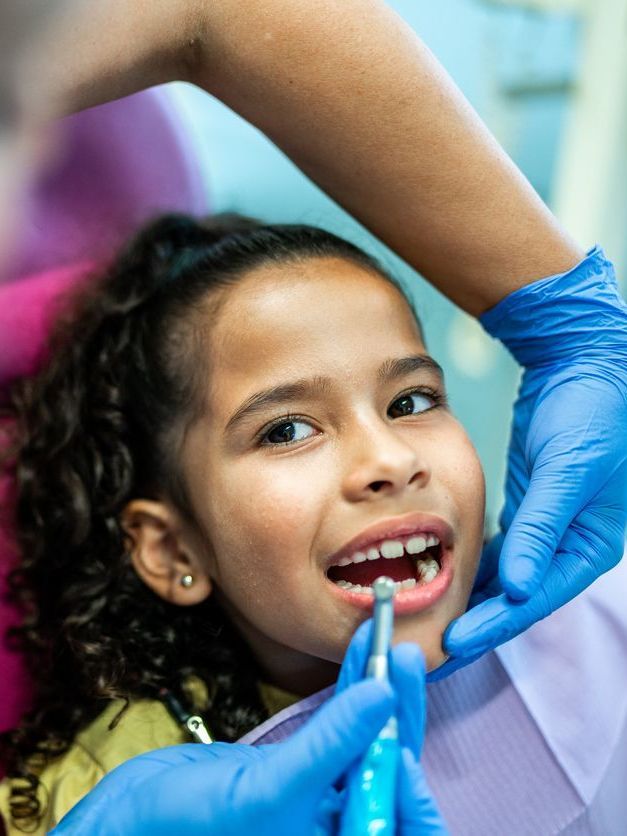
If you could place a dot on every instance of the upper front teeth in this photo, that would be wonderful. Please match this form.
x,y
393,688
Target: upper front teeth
x,y
416,545
393,548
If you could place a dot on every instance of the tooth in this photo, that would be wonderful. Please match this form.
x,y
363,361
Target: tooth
x,y
416,545
343,584
398,586
432,540
391,548
373,554
410,583
428,569
359,557
344,561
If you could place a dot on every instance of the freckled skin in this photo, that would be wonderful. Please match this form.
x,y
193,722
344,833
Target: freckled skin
x,y
271,515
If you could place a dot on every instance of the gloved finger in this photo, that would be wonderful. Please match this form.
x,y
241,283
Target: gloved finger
x,y
489,564
121,780
575,454
354,665
488,585
452,664
327,816
93,813
407,673
499,619
417,811
322,750
171,757
553,499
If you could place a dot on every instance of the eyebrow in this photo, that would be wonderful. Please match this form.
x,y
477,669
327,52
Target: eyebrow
x,y
393,369
389,371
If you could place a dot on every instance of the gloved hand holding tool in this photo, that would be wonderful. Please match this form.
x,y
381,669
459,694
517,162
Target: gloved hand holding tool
x,y
386,790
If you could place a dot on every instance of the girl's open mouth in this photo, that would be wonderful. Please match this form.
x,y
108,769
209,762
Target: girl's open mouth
x,y
419,564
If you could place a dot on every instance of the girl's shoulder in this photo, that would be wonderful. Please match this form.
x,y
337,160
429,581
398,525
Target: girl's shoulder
x,y
115,736
120,732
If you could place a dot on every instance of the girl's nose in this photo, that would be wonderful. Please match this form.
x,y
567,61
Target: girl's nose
x,y
383,463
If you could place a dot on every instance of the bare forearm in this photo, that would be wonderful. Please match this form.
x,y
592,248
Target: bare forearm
x,y
360,104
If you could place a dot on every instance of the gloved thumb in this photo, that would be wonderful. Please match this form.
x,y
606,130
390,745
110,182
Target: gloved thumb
x,y
336,736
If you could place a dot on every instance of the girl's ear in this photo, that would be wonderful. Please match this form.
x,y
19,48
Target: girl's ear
x,y
162,555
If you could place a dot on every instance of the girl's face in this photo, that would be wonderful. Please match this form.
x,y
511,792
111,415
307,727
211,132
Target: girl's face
x,y
325,458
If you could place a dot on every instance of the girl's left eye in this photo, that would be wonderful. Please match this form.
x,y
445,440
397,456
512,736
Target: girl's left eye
x,y
288,432
411,403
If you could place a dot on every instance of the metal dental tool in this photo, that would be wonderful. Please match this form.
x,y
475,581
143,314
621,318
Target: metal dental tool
x,y
371,787
193,723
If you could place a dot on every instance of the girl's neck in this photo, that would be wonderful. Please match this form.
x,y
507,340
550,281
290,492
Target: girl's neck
x,y
304,677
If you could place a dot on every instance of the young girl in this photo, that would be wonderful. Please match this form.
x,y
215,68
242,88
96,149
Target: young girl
x,y
240,429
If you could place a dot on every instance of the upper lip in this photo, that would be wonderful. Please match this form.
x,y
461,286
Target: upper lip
x,y
394,528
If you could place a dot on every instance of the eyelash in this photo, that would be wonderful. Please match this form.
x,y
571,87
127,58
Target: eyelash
x,y
436,395
439,401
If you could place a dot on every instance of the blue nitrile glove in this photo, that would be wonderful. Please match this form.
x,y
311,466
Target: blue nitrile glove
x,y
566,491
417,811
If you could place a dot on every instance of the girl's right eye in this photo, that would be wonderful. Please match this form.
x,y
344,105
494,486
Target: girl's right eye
x,y
287,432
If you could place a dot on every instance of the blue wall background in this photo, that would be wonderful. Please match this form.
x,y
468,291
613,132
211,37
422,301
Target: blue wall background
x,y
517,68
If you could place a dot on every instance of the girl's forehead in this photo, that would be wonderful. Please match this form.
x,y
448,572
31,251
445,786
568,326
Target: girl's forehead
x,y
304,293
309,317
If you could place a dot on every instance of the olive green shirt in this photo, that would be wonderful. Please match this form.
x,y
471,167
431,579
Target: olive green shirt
x,y
97,749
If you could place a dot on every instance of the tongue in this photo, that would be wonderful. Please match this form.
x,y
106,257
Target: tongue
x,y
366,573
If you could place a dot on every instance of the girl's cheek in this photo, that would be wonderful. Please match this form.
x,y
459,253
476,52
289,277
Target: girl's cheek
x,y
272,503
462,476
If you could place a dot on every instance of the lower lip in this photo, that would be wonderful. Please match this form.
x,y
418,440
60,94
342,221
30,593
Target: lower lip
x,y
408,601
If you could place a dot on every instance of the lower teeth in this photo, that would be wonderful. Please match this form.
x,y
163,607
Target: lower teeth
x,y
399,586
428,569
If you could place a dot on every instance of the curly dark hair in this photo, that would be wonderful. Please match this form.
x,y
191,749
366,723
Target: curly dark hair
x,y
97,427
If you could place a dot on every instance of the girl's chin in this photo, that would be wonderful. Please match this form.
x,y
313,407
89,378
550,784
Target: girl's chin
x,y
435,660
429,641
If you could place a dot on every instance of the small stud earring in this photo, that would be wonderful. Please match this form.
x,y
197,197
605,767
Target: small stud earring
x,y
187,581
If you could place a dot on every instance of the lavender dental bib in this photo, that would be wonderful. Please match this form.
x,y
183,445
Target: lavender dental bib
x,y
531,740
